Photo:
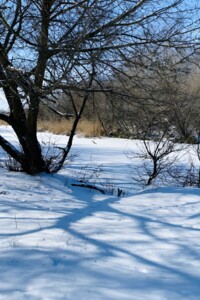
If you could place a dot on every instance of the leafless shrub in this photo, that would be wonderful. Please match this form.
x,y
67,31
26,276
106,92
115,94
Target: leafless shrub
x,y
158,149
12,165
184,175
156,158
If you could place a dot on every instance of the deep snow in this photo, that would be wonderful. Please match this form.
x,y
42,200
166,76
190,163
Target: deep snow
x,y
58,241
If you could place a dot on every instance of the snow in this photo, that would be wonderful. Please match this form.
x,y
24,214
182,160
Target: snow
x,y
3,102
58,241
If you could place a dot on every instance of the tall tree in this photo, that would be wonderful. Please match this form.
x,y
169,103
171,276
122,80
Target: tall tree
x,y
48,46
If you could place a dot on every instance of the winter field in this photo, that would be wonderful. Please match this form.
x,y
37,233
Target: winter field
x,y
59,241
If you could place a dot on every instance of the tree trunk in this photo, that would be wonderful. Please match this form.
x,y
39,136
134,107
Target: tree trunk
x,y
33,160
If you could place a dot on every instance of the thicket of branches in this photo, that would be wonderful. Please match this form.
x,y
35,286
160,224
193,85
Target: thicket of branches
x,y
81,49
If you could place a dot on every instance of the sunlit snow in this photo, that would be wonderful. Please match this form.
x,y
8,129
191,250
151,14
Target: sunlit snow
x,y
58,241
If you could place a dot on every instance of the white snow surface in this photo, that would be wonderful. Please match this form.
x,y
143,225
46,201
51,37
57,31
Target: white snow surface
x,y
59,241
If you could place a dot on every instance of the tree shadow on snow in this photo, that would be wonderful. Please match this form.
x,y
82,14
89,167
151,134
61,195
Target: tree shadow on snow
x,y
104,248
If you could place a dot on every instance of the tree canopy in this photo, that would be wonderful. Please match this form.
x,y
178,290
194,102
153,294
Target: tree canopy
x,y
53,46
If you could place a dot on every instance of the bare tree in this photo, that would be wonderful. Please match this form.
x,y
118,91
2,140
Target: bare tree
x,y
49,46
158,150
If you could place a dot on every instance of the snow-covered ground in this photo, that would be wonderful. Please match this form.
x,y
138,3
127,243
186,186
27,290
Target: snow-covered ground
x,y
58,241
